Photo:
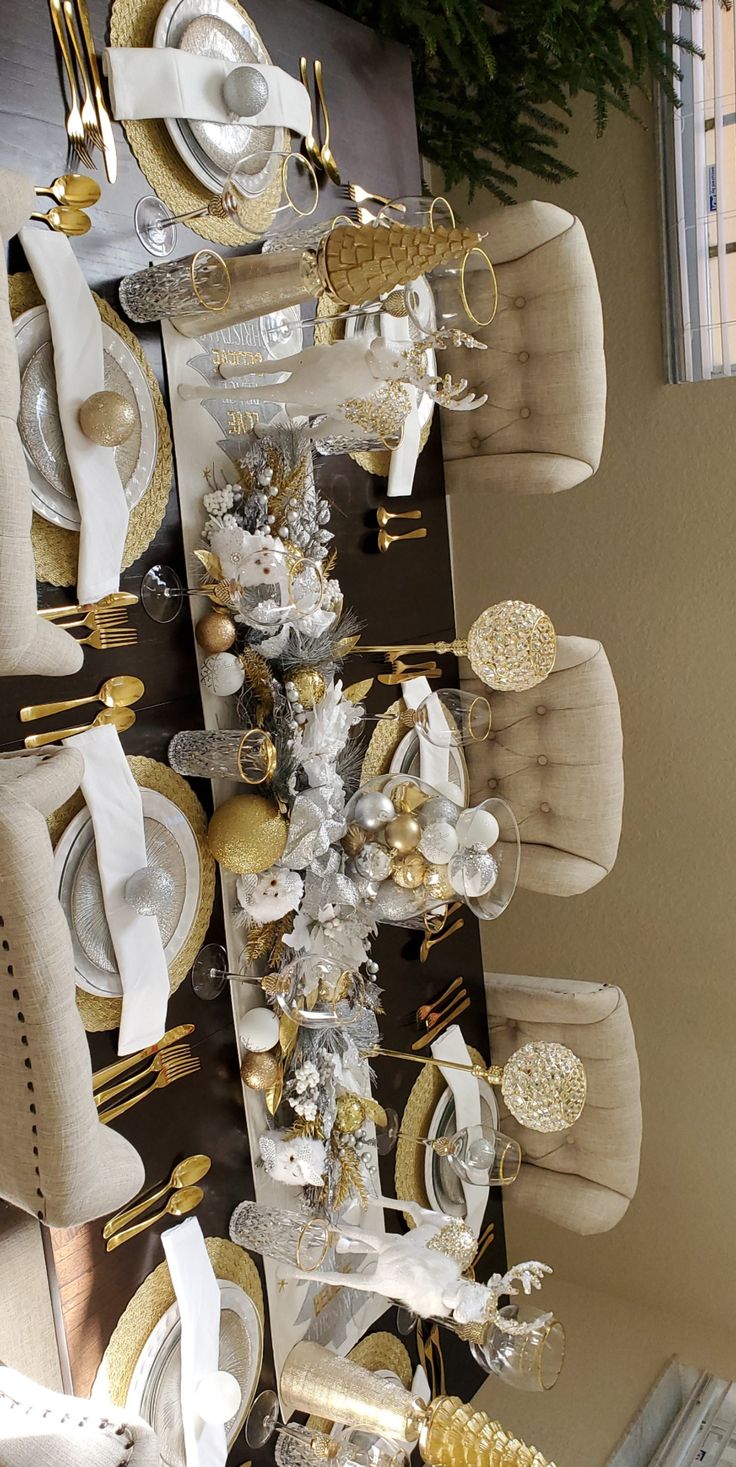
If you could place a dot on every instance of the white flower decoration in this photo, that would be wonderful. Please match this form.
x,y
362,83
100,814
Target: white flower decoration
x,y
276,892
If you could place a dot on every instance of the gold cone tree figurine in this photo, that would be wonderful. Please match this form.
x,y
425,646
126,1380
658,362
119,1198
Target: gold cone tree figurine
x,y
449,1433
360,262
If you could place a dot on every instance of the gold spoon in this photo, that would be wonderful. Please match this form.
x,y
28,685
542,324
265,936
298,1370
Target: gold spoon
x,y
116,692
385,541
311,146
329,162
190,1170
120,718
383,515
177,1206
66,221
72,188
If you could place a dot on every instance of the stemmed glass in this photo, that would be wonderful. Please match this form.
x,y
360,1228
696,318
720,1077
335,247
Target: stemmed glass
x,y
528,1362
313,991
274,587
352,1448
447,718
479,1155
419,212
465,293
156,226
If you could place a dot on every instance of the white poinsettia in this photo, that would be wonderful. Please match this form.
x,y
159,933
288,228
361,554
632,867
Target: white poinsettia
x,y
324,735
250,559
271,895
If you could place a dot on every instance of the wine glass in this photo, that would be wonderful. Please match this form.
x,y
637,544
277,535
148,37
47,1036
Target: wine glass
x,y
275,584
210,972
528,1362
352,1448
447,718
315,992
479,1155
156,226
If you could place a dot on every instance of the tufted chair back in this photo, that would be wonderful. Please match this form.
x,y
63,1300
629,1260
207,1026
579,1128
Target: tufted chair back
x,y
41,1428
555,754
544,371
57,1160
582,1179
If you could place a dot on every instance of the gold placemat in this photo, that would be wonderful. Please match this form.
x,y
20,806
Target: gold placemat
x,y
155,1296
104,1013
377,460
416,1120
381,1351
55,551
132,23
385,740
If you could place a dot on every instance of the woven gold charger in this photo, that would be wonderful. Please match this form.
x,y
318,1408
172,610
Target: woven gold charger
x,y
377,460
381,1351
385,740
155,1296
55,551
132,23
416,1120
104,1013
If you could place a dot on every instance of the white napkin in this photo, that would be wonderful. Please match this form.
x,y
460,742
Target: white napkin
x,y
165,82
76,333
404,458
114,802
466,1092
198,1296
434,762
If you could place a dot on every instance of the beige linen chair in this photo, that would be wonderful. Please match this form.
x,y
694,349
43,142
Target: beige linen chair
x,y
582,1179
28,644
41,1428
555,754
544,371
56,1159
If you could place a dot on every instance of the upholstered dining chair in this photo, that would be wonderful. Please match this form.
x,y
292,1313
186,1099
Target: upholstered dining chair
x,y
41,1428
544,371
582,1179
57,1160
555,754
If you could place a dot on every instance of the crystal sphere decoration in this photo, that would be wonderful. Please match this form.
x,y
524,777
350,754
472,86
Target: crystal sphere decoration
x,y
512,646
544,1086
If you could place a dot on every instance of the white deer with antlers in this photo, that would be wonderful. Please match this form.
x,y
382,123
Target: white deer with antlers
x,y
358,386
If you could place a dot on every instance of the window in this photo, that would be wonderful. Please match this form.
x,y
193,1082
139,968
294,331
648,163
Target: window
x,y
698,150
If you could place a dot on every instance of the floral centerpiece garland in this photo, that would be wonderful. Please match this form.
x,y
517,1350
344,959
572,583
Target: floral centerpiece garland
x,y
292,690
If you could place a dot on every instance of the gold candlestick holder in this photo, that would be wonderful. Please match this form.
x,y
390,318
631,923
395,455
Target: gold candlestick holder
x,y
511,646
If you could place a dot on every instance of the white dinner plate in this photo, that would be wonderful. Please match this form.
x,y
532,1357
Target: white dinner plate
x,y
95,971
444,1188
406,760
154,1390
32,329
203,145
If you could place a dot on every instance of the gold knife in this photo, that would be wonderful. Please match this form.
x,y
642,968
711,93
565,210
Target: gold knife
x,y
116,598
109,152
110,1072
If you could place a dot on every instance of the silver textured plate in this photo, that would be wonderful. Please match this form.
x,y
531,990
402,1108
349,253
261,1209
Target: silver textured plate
x,y
174,18
40,426
155,1388
224,143
88,912
444,1188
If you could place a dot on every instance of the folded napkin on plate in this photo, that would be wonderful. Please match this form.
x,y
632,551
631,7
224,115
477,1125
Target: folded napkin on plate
x,y
165,82
404,458
76,334
466,1092
434,762
198,1296
114,803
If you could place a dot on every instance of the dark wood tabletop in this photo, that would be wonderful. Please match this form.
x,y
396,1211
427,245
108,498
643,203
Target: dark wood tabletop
x,y
403,596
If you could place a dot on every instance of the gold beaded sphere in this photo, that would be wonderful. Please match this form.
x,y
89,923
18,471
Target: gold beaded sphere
x,y
107,418
403,834
512,646
410,871
247,834
310,686
215,632
260,1070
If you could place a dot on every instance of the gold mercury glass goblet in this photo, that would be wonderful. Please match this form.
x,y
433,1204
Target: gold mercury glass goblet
x,y
511,646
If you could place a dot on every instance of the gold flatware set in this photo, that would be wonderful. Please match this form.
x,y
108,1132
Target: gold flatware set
x,y
185,1197
115,600
170,1061
120,718
319,154
405,672
431,940
386,516
64,220
115,692
119,1067
443,1014
360,197
88,124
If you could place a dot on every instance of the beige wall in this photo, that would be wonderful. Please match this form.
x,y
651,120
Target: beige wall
x,y
642,557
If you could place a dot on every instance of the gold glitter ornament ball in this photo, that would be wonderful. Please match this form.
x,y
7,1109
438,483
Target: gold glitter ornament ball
x,y
349,1113
215,632
260,1070
438,884
107,418
247,834
310,686
410,871
403,834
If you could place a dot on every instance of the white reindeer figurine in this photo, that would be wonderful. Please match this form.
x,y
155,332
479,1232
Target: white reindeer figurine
x,y
422,1269
341,379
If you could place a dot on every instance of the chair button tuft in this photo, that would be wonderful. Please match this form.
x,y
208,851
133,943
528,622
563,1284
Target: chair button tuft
x,y
523,356
519,302
541,710
525,412
545,808
542,759
493,784
491,735
475,442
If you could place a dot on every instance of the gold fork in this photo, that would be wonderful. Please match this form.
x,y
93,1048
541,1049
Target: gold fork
x,y
88,113
429,942
102,638
447,1019
168,1076
109,616
164,1058
74,124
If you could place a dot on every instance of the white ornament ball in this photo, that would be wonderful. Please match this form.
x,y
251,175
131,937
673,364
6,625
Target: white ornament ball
x,y
373,862
473,871
372,810
217,1397
477,827
259,1030
439,842
223,674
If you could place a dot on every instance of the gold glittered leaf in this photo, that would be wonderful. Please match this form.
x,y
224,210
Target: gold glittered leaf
x,y
259,941
258,678
374,1111
211,563
288,1032
345,647
351,1181
275,1094
358,691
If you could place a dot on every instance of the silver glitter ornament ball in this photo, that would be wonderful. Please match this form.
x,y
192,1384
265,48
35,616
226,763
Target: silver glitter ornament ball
x,y
149,891
473,871
394,904
373,862
372,810
245,93
440,808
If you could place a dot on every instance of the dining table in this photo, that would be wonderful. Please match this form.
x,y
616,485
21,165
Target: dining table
x,y
404,596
